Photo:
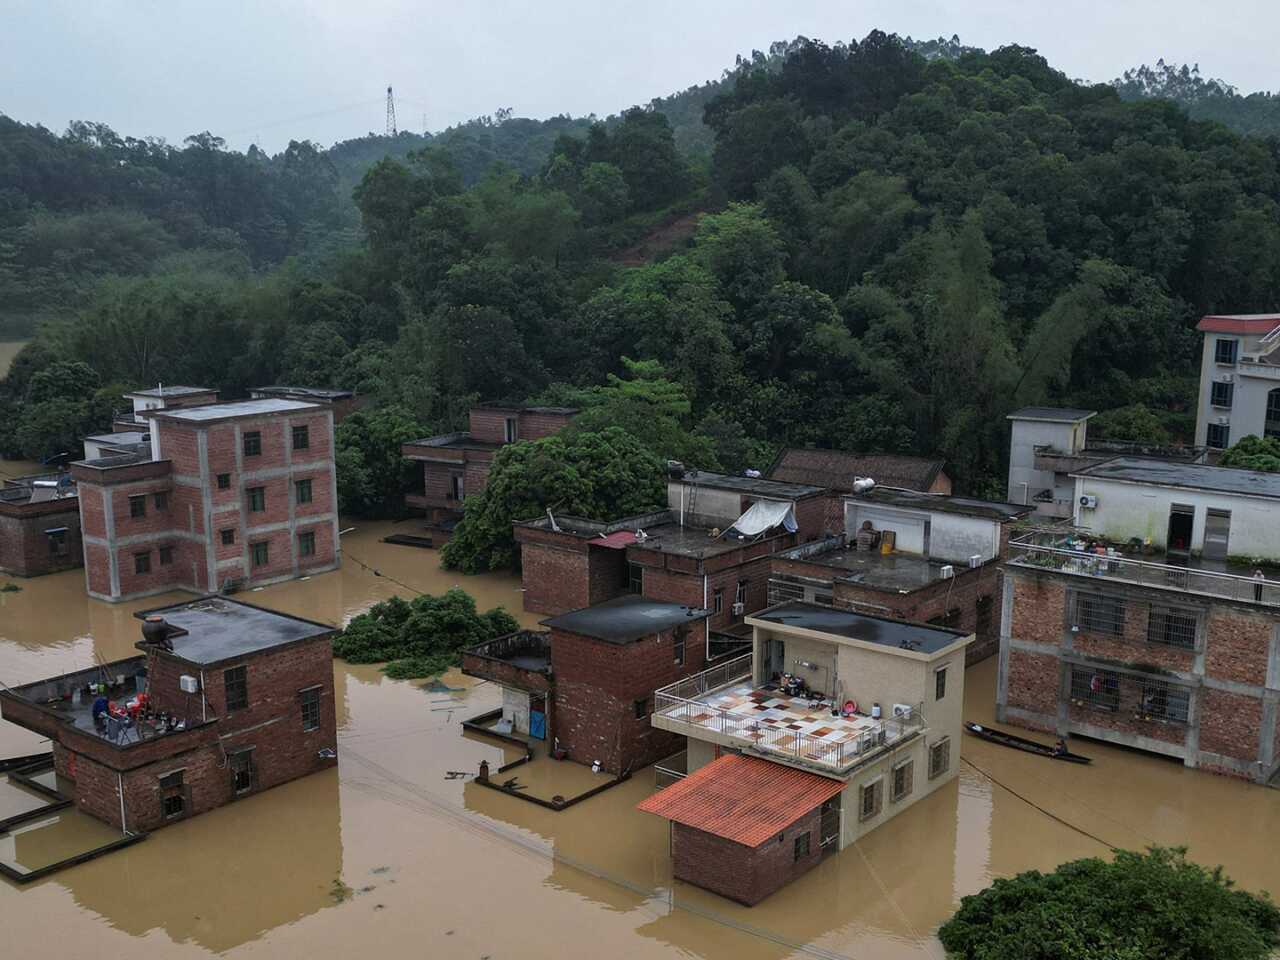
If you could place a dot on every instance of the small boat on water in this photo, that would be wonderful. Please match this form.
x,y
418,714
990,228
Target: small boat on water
x,y
1021,743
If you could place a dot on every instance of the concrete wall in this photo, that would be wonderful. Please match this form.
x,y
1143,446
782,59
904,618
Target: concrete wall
x,y
1025,481
1251,385
952,537
1127,510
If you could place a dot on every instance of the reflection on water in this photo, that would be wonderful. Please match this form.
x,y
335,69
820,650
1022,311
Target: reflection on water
x,y
442,867
61,835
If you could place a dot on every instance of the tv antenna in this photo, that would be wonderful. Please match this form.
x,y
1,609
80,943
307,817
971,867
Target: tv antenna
x,y
391,114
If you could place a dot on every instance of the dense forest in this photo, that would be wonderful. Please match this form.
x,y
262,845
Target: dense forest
x,y
880,244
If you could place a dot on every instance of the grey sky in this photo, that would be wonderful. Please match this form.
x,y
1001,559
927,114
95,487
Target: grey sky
x,y
272,70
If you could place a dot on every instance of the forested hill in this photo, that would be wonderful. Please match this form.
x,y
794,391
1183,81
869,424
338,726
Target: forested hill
x,y
896,247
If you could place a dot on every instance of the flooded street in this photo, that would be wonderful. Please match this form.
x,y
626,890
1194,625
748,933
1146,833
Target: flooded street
x,y
387,850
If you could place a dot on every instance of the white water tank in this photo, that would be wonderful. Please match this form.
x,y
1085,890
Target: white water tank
x,y
862,484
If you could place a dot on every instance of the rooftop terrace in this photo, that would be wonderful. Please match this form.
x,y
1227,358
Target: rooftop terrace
x,y
1198,476
625,619
881,631
942,503
897,572
225,411
697,542
214,629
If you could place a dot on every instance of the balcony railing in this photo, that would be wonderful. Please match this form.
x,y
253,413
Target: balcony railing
x,y
680,703
1055,552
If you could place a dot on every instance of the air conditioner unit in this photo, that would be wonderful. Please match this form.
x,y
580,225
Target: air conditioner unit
x,y
975,560
188,684
1224,420
1089,501
739,609
902,711
1227,378
947,572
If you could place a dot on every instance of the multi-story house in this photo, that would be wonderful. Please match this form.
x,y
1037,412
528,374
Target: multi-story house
x,y
229,494
909,556
39,525
225,700
1155,622
160,398
1239,379
456,465
835,722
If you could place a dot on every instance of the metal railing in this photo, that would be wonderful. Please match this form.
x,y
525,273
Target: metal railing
x,y
677,702
1055,552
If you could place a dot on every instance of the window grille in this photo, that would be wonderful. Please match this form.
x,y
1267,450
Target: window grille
x,y
1173,627
1224,351
903,775
252,443
310,702
1162,700
1097,614
244,773
1096,688
871,800
801,847
939,758
301,438
780,592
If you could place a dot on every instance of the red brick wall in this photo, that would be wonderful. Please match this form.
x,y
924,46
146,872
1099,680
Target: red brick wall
x,y
597,684
535,426
555,580
476,476
1039,615
1238,646
739,872
24,545
811,516
490,424
1230,724
1034,682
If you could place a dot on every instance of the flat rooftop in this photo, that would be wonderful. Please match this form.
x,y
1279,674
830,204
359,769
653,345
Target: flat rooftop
x,y
122,439
320,393
943,503
159,393
690,541
454,441
758,486
897,572
625,619
1052,414
214,629
523,408
896,634
1197,476
238,408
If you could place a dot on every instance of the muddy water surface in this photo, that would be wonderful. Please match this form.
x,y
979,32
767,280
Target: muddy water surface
x,y
387,850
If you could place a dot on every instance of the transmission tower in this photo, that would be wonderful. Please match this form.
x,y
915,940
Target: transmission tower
x,y
391,114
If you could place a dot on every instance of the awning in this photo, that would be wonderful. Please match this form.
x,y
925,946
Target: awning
x,y
743,799
615,541
765,515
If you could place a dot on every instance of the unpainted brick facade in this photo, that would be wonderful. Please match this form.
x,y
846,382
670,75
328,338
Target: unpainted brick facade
x,y
1222,675
38,538
604,694
742,873
210,511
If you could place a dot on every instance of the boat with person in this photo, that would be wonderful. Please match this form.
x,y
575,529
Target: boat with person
x,y
1059,752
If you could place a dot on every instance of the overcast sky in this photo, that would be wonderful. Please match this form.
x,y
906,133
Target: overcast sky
x,y
267,71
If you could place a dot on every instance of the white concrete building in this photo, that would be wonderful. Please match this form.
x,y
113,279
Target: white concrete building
x,y
1239,379
1046,445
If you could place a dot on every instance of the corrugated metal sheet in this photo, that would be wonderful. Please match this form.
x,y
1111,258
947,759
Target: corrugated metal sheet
x,y
743,799
615,541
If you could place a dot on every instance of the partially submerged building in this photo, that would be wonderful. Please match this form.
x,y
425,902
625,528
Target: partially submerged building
x,y
839,470
1154,621
456,465
226,495
585,686
39,525
835,723
910,556
224,700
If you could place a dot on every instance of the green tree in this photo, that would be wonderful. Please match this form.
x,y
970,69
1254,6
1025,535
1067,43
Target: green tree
x,y
602,475
1139,905
372,474
1253,453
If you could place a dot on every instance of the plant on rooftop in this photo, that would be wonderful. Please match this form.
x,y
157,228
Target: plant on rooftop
x,y
1155,905
602,476
420,637
1253,453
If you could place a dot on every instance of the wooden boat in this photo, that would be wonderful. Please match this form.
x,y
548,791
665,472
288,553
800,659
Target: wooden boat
x,y
1021,743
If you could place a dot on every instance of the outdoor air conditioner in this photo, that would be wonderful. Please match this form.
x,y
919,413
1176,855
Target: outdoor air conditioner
x,y
188,684
1224,420
902,711
947,572
975,560
739,609
1089,501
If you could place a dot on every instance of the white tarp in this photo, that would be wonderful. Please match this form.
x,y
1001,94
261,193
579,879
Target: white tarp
x,y
765,515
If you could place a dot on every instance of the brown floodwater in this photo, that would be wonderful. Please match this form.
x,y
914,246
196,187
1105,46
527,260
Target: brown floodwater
x,y
388,851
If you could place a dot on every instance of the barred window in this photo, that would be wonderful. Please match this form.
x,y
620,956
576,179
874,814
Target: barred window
x,y
310,703
1097,688
244,773
301,438
801,847
903,775
1163,701
872,799
251,443
1097,614
235,685
940,758
1172,626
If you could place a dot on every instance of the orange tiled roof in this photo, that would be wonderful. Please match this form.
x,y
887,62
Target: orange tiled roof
x,y
1256,324
742,799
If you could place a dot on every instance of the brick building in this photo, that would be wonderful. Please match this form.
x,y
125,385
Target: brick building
x,y
591,678
230,494
838,469
227,699
833,724
160,398
926,558
1150,623
39,525
343,402
455,465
